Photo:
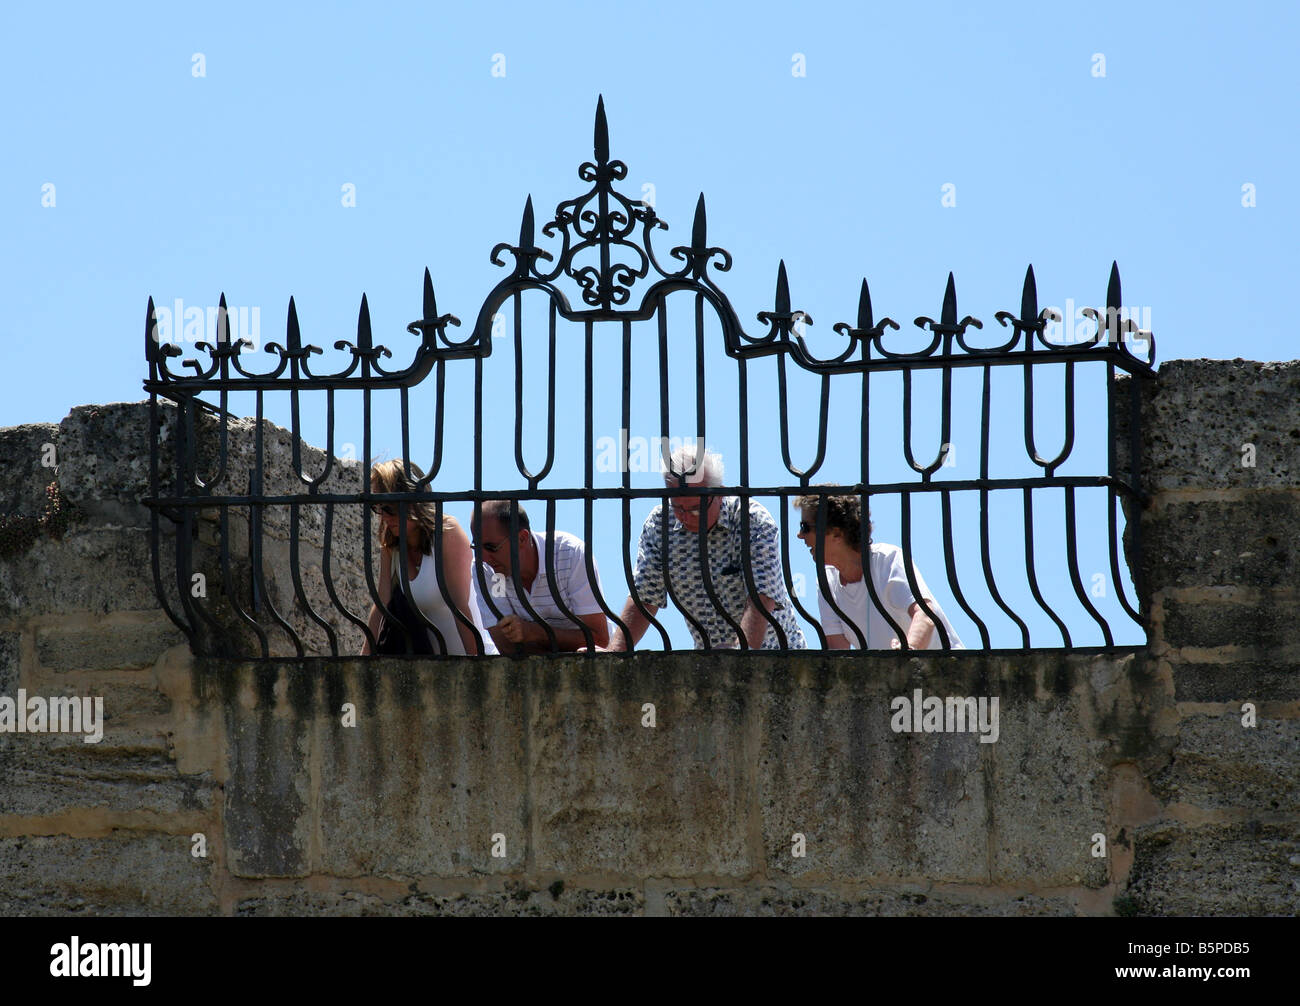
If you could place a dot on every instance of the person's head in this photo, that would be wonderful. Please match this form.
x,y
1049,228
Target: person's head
x,y
492,532
421,518
843,540
691,467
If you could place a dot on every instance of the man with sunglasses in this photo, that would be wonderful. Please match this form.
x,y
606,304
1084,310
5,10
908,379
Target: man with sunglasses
x,y
515,630
735,533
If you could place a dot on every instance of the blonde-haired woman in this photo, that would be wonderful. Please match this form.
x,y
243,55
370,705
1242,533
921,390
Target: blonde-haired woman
x,y
451,565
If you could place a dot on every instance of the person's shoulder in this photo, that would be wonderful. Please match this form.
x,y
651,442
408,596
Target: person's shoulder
x,y
566,541
886,552
453,534
757,512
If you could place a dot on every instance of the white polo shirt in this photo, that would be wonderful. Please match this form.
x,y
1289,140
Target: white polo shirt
x,y
570,578
889,577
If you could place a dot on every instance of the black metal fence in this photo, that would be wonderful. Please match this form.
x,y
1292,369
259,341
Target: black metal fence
x,y
197,484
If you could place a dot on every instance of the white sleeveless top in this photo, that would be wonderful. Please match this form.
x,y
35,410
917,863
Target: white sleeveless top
x,y
428,595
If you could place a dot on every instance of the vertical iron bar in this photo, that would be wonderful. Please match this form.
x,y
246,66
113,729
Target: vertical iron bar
x,y
985,558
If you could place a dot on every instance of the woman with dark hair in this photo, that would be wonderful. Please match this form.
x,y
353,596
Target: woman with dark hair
x,y
429,574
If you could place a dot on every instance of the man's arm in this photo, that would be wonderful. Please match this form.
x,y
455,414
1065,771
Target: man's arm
x,y
754,623
647,581
524,636
834,641
920,631
769,582
636,622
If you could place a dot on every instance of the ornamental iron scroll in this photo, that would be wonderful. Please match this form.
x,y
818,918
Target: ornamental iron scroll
x,y
214,502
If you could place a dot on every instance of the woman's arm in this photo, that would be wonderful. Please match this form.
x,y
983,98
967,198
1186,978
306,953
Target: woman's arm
x,y
457,563
384,586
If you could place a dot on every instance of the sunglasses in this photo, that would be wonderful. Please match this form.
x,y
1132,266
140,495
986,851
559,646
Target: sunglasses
x,y
384,510
488,546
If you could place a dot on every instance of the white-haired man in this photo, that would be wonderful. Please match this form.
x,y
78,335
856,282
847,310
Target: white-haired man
x,y
726,546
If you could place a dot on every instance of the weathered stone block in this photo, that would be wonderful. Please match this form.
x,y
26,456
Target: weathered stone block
x,y
869,802
610,794
1218,763
1240,869
123,874
104,453
23,477
1237,681
1198,416
1266,624
268,793
434,768
1211,543
1049,797
93,569
119,645
42,775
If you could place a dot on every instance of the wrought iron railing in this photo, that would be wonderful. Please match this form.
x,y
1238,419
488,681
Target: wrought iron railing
x,y
215,499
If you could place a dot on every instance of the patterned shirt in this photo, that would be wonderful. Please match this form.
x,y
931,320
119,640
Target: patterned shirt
x,y
725,547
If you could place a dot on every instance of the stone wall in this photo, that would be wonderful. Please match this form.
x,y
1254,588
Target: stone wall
x,y
549,762
1221,459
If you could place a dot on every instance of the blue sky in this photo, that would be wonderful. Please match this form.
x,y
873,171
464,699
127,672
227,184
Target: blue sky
x,y
182,186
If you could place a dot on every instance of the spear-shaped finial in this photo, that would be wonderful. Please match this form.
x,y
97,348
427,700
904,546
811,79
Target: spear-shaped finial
x,y
949,314
150,335
363,318
602,131
223,321
1113,299
864,307
293,337
526,226
1029,298
782,290
699,228
430,302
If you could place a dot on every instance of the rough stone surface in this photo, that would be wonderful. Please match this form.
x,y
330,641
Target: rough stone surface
x,y
10,662
22,476
611,794
516,900
1237,681
1250,868
126,873
93,569
923,900
868,801
1214,543
104,564
1224,404
47,775
1266,624
93,647
1218,763
433,770
267,807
